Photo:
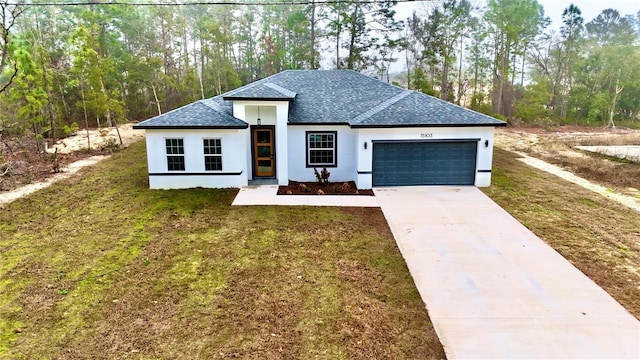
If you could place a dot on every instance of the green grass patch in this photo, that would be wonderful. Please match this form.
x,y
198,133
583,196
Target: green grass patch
x,y
99,266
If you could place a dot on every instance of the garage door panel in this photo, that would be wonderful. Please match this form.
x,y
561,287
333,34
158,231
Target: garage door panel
x,y
424,163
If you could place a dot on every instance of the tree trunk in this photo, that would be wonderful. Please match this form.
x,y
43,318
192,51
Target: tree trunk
x,y
86,118
45,82
201,72
460,88
155,97
614,101
106,95
338,33
312,55
353,33
444,80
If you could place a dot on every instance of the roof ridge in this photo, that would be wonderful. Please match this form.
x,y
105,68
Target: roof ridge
x,y
215,106
250,85
245,87
378,108
280,89
211,104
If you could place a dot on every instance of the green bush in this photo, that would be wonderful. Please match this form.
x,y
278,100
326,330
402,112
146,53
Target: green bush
x,y
68,130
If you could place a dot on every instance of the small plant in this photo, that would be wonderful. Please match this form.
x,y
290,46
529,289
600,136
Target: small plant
x,y
63,291
322,177
304,188
345,187
320,192
335,189
68,130
111,145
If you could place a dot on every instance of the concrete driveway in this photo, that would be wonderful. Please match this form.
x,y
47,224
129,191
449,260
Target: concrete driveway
x,y
493,289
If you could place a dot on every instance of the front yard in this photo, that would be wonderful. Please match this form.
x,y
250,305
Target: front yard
x,y
98,266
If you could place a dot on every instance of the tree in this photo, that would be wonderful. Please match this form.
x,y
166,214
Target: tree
x,y
446,29
91,70
29,94
362,22
478,55
513,25
554,57
609,71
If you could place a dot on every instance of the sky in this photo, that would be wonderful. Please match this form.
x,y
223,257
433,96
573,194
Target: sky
x,y
552,8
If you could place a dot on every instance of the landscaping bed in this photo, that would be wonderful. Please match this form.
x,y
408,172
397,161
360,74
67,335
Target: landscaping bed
x,y
314,188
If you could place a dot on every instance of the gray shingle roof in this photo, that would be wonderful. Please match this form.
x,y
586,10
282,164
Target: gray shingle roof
x,y
418,109
204,114
260,90
328,97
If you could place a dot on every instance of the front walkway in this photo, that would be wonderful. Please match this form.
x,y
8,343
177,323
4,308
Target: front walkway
x,y
493,289
266,195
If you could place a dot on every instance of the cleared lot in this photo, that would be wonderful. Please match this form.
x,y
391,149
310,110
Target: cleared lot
x,y
627,152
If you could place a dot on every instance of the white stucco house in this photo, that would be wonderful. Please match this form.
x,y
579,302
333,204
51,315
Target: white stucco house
x,y
281,127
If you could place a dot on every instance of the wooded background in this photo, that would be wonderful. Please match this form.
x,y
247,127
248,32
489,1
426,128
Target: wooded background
x,y
95,64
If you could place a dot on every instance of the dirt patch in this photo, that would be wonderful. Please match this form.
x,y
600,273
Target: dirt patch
x,y
26,171
313,188
98,139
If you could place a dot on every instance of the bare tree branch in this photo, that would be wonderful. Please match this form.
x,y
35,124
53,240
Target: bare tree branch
x,y
13,76
9,12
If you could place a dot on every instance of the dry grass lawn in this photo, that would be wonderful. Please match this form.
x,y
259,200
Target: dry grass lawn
x,y
597,235
101,267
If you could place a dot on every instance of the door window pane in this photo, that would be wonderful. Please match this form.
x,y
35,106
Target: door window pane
x,y
264,137
264,151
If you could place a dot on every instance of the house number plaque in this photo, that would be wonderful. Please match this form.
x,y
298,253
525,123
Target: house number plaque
x,y
426,135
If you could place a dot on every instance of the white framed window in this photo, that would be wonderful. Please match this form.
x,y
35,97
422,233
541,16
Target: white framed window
x,y
175,154
212,154
322,148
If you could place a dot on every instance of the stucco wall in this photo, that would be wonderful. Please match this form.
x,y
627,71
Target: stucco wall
x,y
484,155
354,161
346,161
233,172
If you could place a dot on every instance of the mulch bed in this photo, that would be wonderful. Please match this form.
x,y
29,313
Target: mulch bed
x,y
313,188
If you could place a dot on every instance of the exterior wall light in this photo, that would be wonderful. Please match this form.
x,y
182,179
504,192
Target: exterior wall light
x,y
259,121
486,143
365,145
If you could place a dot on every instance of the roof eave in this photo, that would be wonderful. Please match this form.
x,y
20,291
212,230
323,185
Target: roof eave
x,y
343,123
187,127
231,98
386,126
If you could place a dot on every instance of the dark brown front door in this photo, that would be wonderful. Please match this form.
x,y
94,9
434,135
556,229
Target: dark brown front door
x,y
263,152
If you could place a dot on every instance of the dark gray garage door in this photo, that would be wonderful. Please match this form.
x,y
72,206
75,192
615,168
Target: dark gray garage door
x,y
424,163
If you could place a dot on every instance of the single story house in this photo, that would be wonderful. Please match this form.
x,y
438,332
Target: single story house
x,y
285,125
